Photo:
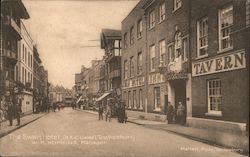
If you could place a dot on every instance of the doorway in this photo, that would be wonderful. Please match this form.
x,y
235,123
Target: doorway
x,y
180,94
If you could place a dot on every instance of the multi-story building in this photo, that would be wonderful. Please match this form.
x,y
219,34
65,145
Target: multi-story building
x,y
111,43
220,63
24,69
102,77
162,30
11,14
78,84
81,85
133,61
94,82
40,81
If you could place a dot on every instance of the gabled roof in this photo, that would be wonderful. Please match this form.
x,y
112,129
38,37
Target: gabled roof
x,y
108,34
111,32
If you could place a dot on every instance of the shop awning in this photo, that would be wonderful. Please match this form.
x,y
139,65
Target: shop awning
x,y
79,99
103,96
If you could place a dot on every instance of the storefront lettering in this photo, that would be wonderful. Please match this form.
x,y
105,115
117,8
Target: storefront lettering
x,y
220,64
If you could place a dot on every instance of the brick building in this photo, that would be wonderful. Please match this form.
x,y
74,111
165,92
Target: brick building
x,y
134,65
165,60
220,63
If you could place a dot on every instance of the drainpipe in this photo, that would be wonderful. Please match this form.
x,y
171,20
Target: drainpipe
x,y
1,53
146,71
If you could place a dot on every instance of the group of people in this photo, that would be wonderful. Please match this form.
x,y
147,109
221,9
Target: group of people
x,y
120,112
107,112
53,106
11,105
178,116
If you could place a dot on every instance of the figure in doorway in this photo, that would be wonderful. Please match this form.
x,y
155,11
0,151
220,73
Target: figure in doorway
x,y
180,113
170,113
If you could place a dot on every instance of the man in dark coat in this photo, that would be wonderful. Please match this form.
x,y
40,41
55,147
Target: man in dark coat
x,y
100,111
170,113
18,111
10,109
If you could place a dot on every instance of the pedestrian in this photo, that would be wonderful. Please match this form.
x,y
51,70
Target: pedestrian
x,y
18,110
53,106
119,113
108,113
181,113
58,106
48,106
123,113
170,113
100,111
10,110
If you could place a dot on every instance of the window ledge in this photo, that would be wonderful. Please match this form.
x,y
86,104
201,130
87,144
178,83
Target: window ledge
x,y
151,28
138,38
151,71
157,109
219,114
140,74
225,50
176,9
161,21
203,56
185,60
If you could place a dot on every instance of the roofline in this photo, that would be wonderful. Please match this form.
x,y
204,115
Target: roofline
x,y
26,14
132,10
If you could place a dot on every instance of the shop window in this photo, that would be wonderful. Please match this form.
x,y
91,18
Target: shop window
x,y
140,99
129,99
214,96
134,99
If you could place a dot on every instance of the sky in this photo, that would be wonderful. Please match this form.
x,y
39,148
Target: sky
x,y
63,28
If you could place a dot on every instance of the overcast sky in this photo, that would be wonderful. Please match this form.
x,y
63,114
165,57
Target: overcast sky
x,y
62,29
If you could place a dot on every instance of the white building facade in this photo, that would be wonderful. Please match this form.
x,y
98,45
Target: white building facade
x,y
24,69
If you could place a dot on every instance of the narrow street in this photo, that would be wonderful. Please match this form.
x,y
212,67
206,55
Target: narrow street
x,y
75,133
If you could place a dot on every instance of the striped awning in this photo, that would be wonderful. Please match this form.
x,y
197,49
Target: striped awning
x,y
103,96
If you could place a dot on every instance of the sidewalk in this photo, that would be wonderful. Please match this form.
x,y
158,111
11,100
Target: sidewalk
x,y
236,142
5,129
